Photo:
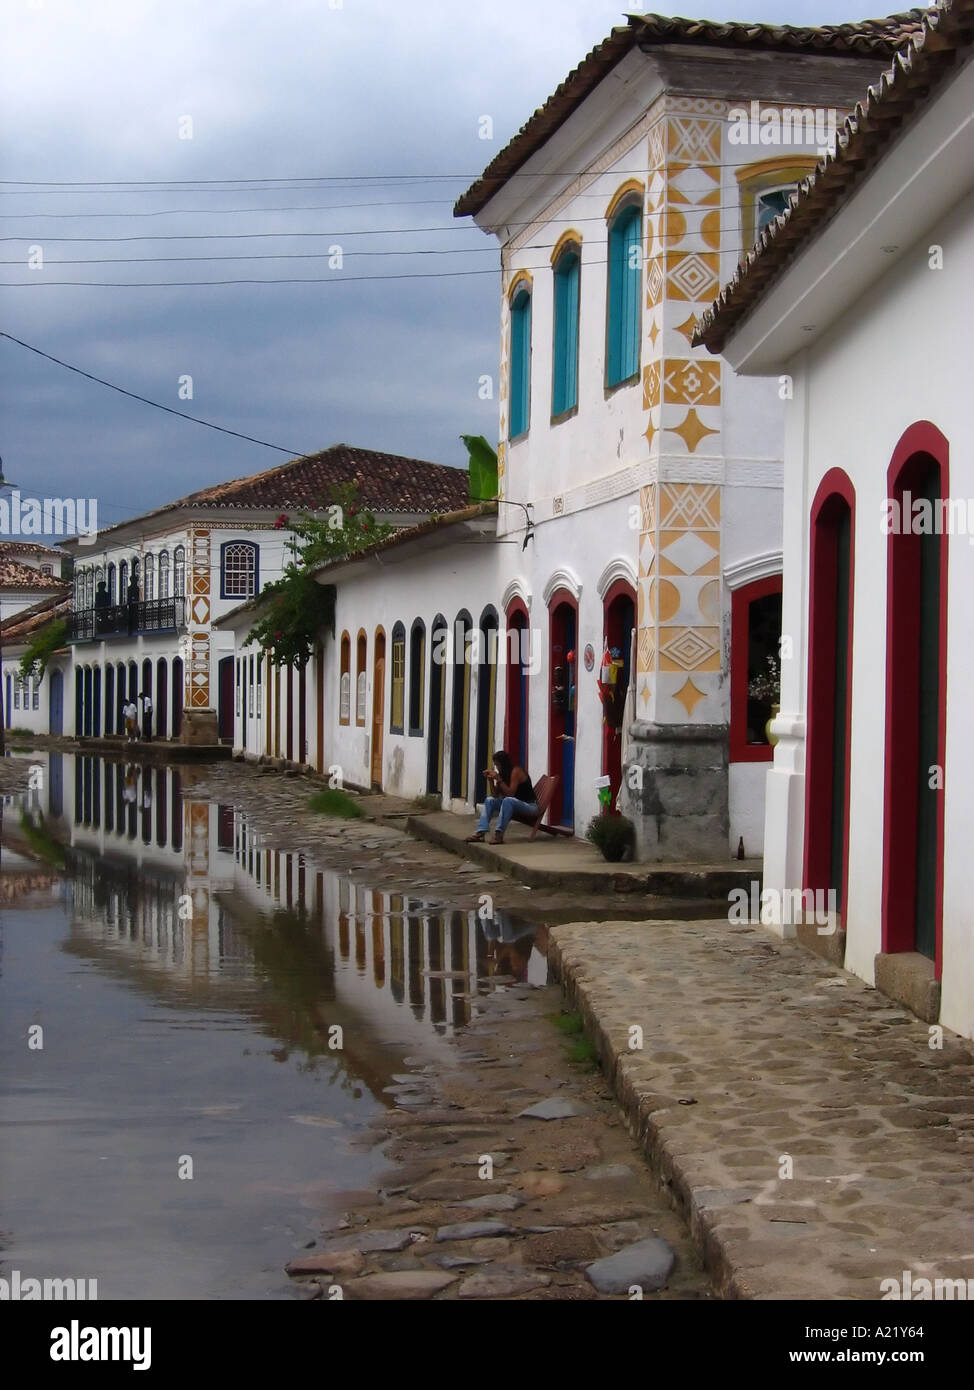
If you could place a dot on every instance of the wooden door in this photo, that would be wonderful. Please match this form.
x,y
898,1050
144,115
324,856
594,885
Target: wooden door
x,y
378,709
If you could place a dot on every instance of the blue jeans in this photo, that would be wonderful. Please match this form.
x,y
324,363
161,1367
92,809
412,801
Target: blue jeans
x,y
507,807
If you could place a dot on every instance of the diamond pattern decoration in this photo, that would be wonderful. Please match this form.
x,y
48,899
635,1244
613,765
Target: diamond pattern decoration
x,y
692,274
201,610
651,385
688,553
691,431
654,281
691,506
688,327
694,139
690,649
691,381
689,696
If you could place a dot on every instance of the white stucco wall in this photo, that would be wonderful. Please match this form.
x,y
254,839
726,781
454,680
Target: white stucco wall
x,y
857,391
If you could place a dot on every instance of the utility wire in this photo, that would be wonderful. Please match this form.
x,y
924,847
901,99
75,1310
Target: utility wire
x,y
133,395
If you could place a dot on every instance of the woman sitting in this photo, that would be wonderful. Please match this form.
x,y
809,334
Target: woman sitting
x,y
512,793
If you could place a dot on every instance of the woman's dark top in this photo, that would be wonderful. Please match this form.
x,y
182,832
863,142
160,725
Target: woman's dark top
x,y
524,791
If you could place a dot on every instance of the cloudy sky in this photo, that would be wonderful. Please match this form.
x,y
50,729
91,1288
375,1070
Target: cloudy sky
x,y
365,113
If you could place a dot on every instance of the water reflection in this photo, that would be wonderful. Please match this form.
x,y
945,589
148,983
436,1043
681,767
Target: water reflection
x,y
185,896
203,995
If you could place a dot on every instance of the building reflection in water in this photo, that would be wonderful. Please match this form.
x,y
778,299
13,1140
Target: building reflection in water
x,y
186,889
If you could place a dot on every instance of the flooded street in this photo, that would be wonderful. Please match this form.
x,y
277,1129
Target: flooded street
x,y
223,1055
189,984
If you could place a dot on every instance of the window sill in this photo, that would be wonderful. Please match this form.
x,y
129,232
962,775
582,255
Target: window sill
x,y
518,438
608,390
564,415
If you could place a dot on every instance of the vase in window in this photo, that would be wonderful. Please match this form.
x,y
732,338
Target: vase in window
x,y
772,738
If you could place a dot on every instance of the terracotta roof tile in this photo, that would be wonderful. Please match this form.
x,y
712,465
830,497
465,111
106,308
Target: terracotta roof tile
x,y
917,71
868,37
16,575
19,626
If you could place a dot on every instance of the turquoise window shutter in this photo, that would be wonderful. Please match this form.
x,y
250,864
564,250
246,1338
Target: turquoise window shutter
x,y
625,251
520,363
564,394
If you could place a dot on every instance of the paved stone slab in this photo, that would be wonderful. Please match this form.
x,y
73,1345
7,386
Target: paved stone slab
x,y
647,1264
502,1283
341,1263
407,1284
498,1201
473,1230
824,1150
554,1108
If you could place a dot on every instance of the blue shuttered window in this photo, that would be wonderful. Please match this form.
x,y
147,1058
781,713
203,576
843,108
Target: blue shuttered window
x,y
564,391
625,252
520,363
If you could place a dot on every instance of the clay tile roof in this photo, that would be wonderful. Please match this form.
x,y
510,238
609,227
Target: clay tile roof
x,y
917,71
19,626
15,548
386,482
14,574
868,37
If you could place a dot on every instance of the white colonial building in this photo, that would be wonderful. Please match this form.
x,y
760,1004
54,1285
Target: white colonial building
x,y
32,593
652,478
857,298
148,592
639,506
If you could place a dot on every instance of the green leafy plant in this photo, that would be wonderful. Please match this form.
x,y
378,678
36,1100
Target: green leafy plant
x,y
332,802
614,836
295,608
42,647
483,468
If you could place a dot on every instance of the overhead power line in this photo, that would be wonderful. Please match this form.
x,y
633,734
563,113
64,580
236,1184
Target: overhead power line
x,y
134,395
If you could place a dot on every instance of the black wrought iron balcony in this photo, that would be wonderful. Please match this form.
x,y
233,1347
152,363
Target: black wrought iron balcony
x,y
125,619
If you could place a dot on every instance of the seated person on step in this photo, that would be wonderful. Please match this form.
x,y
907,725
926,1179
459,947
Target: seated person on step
x,y
512,793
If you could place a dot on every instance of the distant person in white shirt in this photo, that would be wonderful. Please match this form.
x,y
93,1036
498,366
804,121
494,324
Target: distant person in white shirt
x,y
131,713
146,716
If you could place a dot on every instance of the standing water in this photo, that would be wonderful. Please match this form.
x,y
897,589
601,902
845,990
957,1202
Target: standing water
x,y
196,1031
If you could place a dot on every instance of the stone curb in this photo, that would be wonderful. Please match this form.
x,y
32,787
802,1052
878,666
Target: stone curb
x,y
728,1282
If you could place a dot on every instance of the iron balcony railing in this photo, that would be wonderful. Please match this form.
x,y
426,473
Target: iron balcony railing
x,y
123,619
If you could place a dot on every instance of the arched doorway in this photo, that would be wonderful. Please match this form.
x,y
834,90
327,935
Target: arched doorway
x,y
434,742
460,720
55,704
516,704
86,702
225,674
177,700
96,702
378,707
830,588
109,699
562,670
618,623
120,697
486,699
162,697
916,656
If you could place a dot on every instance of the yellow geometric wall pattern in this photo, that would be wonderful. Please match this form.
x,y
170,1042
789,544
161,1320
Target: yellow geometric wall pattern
x,y
198,676
678,652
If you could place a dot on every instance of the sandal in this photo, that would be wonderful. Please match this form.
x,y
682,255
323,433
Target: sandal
x,y
498,838
476,838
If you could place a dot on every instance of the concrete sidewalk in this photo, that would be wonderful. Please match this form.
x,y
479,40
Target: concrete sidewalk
x,y
814,1140
576,865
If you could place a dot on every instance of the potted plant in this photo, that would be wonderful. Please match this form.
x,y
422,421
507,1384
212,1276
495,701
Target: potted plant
x,y
766,686
614,836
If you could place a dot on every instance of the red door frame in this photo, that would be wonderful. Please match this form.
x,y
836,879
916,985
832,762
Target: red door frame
x,y
556,721
611,738
512,740
820,700
741,599
922,442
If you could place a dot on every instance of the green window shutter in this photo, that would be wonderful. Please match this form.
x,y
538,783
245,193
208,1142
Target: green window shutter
x,y
520,363
564,394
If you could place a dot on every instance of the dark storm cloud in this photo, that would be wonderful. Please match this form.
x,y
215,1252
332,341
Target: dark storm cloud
x,y
296,88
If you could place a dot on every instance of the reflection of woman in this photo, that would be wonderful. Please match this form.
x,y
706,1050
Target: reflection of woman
x,y
513,792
